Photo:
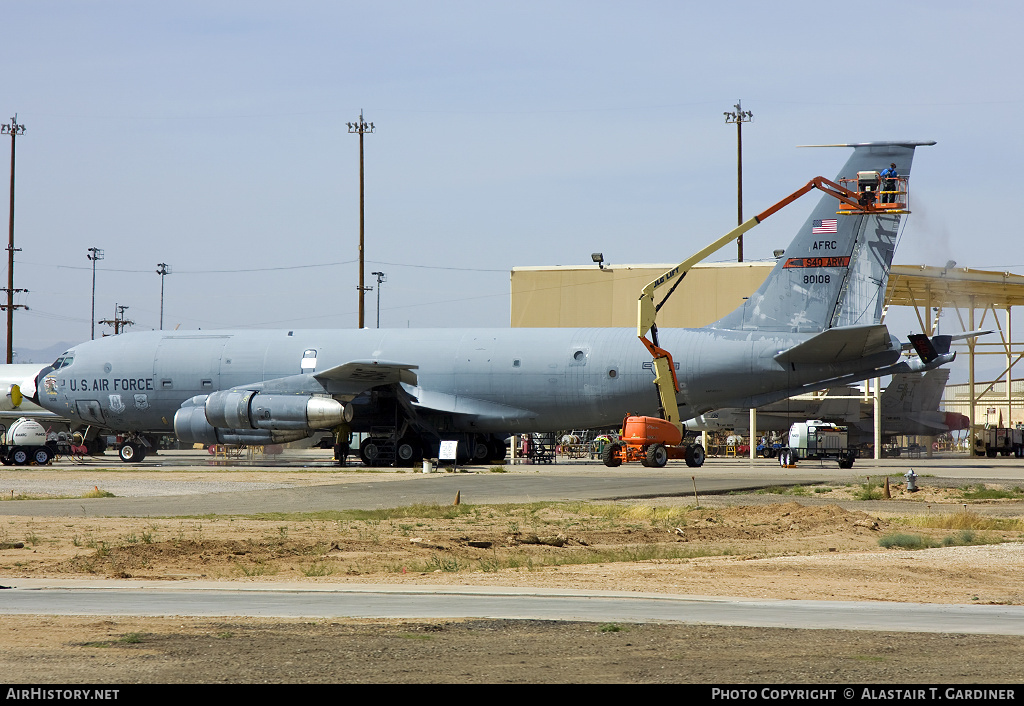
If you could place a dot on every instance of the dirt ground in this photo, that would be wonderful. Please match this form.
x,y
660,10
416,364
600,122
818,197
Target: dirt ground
x,y
812,543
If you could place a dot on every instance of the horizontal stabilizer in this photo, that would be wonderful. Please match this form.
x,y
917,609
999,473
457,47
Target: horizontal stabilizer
x,y
941,344
371,372
837,345
934,421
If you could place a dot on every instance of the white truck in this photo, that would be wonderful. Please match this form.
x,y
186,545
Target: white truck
x,y
994,441
817,439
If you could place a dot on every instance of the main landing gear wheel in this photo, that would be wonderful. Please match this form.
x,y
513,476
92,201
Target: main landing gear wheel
x,y
498,450
369,451
481,450
131,452
408,452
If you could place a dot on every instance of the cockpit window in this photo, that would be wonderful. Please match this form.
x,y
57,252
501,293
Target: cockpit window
x,y
63,362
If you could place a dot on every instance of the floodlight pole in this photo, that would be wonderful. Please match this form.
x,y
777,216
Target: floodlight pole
x,y
94,255
739,117
163,272
361,128
381,279
13,129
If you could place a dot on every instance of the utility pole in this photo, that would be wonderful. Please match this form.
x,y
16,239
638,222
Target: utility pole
x,y
13,129
381,279
94,255
361,128
164,270
118,322
739,117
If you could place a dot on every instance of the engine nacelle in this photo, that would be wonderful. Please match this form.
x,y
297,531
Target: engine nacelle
x,y
229,409
248,417
192,427
295,412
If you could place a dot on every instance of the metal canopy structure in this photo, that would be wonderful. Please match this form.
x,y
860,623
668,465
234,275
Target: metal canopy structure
x,y
976,297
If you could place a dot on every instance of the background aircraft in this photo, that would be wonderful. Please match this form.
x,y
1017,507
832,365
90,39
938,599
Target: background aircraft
x,y
813,324
909,407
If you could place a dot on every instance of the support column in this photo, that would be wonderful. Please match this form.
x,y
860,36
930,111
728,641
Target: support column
x,y
971,342
753,433
877,414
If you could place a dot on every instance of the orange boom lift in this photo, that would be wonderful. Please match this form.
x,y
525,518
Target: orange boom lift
x,y
652,440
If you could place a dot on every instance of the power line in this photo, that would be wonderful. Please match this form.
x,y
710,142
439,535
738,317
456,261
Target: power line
x,y
243,270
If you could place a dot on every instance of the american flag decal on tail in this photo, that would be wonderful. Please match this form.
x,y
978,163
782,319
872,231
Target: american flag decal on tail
x,y
825,225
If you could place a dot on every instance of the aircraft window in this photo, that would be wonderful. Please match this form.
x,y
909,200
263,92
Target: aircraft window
x,y
68,360
613,373
516,363
56,363
308,360
579,355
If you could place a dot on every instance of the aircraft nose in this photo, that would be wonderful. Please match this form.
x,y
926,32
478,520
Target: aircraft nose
x,y
36,383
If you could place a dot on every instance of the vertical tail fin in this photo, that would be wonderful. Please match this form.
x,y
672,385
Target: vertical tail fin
x,y
835,271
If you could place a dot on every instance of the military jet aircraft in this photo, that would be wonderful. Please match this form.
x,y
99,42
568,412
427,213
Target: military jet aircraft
x,y
813,324
909,406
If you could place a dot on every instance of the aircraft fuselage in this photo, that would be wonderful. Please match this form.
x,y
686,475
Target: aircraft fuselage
x,y
486,380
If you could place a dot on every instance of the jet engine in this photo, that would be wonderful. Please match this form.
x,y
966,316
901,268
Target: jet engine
x,y
249,417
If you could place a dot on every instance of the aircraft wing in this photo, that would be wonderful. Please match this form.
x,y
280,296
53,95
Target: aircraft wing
x,y
345,381
375,372
837,345
30,413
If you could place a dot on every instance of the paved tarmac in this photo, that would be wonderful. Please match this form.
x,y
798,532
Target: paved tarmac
x,y
123,598
165,490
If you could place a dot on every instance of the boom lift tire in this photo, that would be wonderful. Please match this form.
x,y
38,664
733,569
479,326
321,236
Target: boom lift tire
x,y
610,456
657,456
695,456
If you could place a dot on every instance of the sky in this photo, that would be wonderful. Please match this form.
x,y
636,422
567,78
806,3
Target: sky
x,y
212,136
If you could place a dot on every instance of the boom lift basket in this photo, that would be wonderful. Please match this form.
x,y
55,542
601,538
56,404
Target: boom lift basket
x,y
875,194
